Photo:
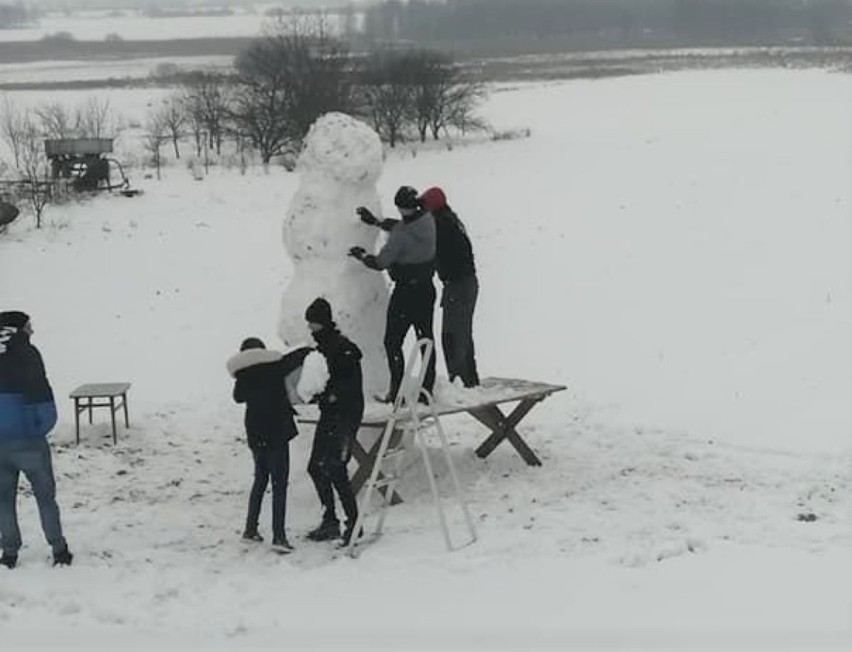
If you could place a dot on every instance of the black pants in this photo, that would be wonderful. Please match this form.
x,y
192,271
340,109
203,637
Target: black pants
x,y
270,462
459,301
411,304
331,451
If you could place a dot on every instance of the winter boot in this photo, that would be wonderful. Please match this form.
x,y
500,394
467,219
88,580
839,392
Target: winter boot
x,y
62,557
9,560
253,536
326,531
390,397
280,544
347,534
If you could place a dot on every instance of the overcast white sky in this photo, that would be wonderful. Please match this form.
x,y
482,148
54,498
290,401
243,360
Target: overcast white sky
x,y
47,4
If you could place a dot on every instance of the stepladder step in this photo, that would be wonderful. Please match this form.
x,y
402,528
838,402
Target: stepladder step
x,y
394,454
386,480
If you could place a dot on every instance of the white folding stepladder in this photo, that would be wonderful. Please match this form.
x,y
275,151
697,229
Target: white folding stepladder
x,y
393,450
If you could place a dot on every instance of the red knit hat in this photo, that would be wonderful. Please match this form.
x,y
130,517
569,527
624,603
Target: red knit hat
x,y
433,199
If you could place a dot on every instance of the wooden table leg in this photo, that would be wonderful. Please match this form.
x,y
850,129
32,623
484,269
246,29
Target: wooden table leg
x,y
366,460
91,406
112,414
124,404
77,419
503,427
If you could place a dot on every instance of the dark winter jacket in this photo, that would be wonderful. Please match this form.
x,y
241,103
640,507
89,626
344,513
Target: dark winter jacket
x,y
260,384
27,408
454,255
344,393
409,253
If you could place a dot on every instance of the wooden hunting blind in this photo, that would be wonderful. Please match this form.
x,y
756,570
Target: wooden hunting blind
x,y
83,161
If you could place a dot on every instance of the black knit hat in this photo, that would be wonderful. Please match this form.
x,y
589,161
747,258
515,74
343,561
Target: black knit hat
x,y
406,197
319,312
14,318
252,343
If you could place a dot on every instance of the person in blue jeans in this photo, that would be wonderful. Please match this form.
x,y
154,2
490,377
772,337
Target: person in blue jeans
x,y
259,382
27,415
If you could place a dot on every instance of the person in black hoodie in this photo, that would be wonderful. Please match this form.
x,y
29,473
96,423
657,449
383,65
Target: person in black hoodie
x,y
457,271
409,257
27,415
260,383
341,407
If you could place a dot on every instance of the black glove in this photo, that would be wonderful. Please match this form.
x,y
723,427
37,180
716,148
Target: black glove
x,y
366,216
357,252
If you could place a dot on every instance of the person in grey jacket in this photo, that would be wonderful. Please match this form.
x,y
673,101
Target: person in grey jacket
x,y
27,415
409,257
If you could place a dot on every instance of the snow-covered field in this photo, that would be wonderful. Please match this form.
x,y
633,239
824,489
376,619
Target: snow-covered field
x,y
673,248
70,70
96,26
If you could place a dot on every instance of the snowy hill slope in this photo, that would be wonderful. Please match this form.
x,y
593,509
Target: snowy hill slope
x,y
673,248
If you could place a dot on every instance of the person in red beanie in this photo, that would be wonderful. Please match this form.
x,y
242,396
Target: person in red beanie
x,y
457,271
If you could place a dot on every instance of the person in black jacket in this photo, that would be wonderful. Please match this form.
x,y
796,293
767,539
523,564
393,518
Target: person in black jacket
x,y
409,257
457,271
341,407
260,383
27,415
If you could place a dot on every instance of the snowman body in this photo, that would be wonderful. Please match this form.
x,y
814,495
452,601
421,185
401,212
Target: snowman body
x,y
338,170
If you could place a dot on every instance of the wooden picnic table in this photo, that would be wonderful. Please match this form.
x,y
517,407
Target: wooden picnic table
x,y
482,403
84,399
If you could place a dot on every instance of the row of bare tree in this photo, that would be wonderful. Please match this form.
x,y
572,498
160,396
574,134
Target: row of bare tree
x,y
285,80
277,89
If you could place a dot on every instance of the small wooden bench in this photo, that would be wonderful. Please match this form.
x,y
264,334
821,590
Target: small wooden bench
x,y
84,399
482,403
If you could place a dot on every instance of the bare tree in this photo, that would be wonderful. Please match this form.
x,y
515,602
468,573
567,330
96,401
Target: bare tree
x,y
195,119
458,109
155,134
286,80
259,110
56,121
173,117
12,128
34,169
208,97
389,93
95,119
442,94
429,79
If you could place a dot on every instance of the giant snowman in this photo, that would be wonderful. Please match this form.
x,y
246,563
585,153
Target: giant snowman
x,y
338,169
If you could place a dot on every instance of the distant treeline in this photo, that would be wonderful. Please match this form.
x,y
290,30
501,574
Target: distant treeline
x,y
15,15
702,22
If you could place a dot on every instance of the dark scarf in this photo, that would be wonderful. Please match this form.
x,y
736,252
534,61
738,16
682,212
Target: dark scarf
x,y
326,338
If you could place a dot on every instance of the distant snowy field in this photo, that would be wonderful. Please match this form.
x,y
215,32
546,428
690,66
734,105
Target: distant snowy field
x,y
96,26
81,70
673,248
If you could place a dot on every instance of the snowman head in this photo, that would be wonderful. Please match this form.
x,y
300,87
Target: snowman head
x,y
341,149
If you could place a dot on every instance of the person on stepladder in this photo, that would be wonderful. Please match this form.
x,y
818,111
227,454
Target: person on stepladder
x,y
409,257
457,271
260,382
341,407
